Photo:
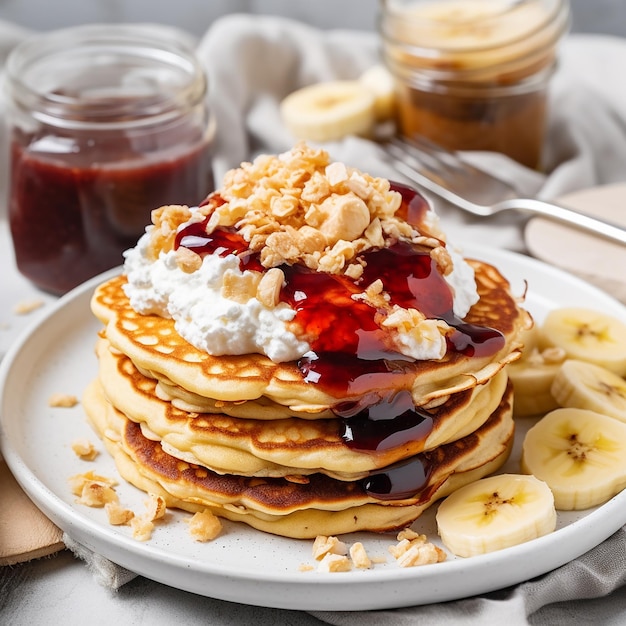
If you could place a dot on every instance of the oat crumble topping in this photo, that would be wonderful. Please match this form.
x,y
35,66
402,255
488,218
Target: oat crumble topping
x,y
204,526
62,400
414,549
26,307
300,207
84,449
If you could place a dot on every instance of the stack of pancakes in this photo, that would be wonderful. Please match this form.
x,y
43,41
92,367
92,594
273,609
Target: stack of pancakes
x,y
255,441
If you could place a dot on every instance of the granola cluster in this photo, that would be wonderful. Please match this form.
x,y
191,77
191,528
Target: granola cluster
x,y
411,550
301,207
96,491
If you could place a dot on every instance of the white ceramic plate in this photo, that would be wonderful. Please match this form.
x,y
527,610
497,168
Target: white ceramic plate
x,y
244,565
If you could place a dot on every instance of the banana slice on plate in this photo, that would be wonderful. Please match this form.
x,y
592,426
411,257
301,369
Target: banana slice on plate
x,y
380,83
495,513
580,454
330,111
587,386
532,385
587,335
533,374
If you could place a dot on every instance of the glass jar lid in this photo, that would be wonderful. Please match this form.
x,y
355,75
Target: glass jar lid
x,y
110,75
473,40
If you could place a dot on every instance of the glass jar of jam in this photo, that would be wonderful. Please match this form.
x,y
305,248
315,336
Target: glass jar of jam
x,y
106,123
473,74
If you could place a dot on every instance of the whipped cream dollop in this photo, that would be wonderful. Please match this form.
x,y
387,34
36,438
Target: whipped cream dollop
x,y
463,283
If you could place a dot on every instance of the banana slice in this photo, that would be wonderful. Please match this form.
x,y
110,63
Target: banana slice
x,y
587,335
588,386
495,513
580,454
533,374
532,384
532,377
329,111
380,82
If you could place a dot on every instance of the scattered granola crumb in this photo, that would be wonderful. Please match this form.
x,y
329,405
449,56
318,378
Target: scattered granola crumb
x,y
410,534
414,549
63,400
96,494
411,549
155,507
359,556
27,306
328,545
398,549
425,554
142,528
78,481
378,560
142,525
334,563
118,515
204,526
84,449
306,567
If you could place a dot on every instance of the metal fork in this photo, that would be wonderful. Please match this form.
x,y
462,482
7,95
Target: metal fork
x,y
446,175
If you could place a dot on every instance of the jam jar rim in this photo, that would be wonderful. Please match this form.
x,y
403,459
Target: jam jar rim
x,y
148,42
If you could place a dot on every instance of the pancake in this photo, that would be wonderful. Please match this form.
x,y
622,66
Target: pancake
x,y
156,349
288,446
304,352
322,505
260,408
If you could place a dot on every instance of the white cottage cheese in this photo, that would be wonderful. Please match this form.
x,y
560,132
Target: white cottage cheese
x,y
202,316
220,326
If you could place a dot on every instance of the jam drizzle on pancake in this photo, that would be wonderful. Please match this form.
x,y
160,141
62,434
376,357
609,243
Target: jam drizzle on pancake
x,y
350,355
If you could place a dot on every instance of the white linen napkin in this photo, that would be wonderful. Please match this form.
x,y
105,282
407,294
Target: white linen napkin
x,y
254,61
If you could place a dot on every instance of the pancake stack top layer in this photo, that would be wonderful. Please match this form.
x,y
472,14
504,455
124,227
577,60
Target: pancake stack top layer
x,y
307,327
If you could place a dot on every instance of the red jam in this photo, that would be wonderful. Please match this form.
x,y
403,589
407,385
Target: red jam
x,y
414,206
402,480
384,424
71,218
220,242
107,123
350,357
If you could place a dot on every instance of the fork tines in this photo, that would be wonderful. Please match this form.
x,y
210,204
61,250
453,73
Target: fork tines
x,y
424,154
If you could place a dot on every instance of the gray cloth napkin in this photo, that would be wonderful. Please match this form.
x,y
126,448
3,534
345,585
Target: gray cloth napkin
x,y
253,62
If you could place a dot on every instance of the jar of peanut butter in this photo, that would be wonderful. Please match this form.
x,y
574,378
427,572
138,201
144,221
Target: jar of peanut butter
x,y
473,74
106,123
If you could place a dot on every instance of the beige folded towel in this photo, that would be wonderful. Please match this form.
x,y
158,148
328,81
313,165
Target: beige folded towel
x,y
25,532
